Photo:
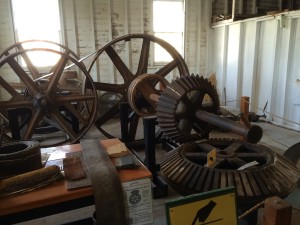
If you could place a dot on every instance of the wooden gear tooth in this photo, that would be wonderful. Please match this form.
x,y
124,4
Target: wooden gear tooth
x,y
186,171
174,100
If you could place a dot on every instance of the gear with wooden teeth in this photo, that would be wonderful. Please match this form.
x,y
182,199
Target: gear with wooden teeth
x,y
255,170
178,104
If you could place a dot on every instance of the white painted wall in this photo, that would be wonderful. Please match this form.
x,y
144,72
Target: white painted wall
x,y
259,58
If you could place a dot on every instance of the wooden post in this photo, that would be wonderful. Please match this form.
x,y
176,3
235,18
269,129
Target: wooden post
x,y
277,212
244,109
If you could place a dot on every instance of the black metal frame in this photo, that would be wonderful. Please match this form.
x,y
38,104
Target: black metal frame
x,y
151,138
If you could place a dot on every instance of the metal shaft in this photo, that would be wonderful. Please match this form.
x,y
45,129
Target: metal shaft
x,y
252,134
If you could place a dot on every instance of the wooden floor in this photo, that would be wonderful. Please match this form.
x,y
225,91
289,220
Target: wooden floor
x,y
277,138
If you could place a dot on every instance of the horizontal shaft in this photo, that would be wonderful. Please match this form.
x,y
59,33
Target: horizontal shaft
x,y
252,134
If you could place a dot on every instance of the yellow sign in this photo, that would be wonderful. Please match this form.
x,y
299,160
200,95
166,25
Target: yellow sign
x,y
211,157
217,207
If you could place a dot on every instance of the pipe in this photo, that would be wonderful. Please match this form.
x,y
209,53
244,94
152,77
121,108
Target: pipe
x,y
251,134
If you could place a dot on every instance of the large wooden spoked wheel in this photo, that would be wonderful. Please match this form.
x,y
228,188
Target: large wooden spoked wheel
x,y
116,72
44,100
19,86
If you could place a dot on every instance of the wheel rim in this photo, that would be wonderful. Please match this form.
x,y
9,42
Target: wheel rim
x,y
47,101
112,54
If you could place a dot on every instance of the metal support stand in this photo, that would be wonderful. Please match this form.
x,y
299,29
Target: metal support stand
x,y
124,108
159,186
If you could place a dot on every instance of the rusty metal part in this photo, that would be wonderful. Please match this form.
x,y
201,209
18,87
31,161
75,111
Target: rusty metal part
x,y
125,73
44,100
144,92
185,169
192,103
108,192
19,157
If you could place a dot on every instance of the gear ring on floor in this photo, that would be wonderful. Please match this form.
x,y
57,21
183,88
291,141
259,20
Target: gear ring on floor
x,y
185,170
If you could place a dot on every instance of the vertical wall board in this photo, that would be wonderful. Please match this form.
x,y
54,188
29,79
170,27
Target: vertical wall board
x,y
232,72
7,39
85,32
103,35
196,35
135,25
249,58
216,60
6,25
293,82
281,71
69,24
102,24
193,29
265,63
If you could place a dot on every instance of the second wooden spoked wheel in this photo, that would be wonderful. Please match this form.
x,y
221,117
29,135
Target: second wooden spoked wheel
x,y
44,100
116,71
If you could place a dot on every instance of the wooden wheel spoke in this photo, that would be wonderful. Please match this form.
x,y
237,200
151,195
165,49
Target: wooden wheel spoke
x,y
55,114
218,163
20,72
8,88
74,98
206,147
164,71
72,109
236,161
235,146
35,119
196,155
143,63
52,123
57,72
107,115
114,88
15,104
32,69
251,155
119,64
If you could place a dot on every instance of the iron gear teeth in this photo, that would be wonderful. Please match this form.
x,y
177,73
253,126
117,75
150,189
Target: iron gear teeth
x,y
170,101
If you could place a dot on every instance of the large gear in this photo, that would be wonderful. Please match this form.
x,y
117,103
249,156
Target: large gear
x,y
178,104
255,170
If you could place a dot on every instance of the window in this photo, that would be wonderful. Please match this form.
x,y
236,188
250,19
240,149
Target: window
x,y
168,24
38,20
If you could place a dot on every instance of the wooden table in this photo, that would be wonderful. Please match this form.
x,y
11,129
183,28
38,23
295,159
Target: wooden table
x,y
55,198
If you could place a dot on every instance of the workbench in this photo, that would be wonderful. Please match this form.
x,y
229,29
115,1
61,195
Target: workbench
x,y
55,198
